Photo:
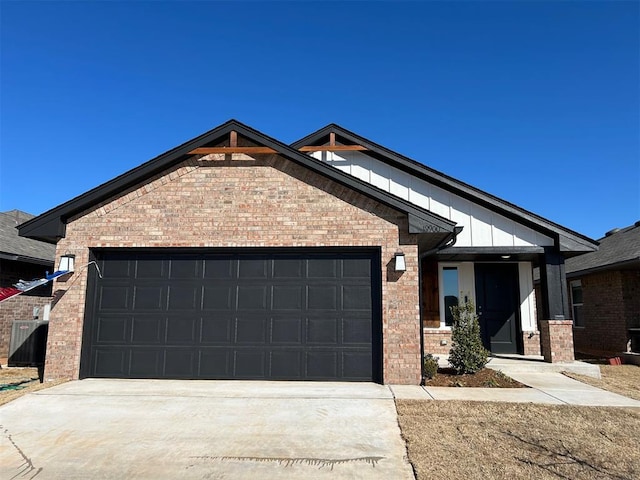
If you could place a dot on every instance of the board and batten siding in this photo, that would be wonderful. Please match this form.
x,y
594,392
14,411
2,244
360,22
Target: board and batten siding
x,y
481,227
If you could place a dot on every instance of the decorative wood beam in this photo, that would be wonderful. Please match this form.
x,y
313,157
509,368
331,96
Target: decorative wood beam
x,y
233,138
332,148
247,150
332,138
261,150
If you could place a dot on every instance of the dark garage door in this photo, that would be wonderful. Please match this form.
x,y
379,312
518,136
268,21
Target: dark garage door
x,y
253,315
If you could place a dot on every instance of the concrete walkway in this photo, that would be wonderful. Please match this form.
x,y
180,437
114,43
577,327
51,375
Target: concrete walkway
x,y
165,429
547,386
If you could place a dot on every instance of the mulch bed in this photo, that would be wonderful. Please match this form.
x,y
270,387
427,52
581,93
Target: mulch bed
x,y
485,378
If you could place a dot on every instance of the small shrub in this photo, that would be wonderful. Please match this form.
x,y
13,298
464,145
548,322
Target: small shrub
x,y
467,354
430,366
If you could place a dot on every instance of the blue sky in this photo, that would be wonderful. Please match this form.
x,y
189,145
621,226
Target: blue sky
x,y
535,102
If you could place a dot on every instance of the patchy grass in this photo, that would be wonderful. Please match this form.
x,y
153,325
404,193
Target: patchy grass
x,y
454,439
485,378
16,382
621,379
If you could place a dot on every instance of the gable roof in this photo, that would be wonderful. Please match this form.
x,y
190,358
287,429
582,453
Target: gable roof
x,y
51,225
14,247
568,241
620,248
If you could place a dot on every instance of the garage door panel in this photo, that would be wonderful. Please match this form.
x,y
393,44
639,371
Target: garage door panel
x,y
218,297
252,269
151,267
249,364
146,362
356,297
322,297
217,329
251,330
179,363
322,331
219,268
117,267
286,297
184,297
356,364
111,363
356,331
321,365
253,297
286,365
112,329
147,330
286,331
288,268
356,268
149,297
322,268
274,315
215,363
114,297
184,268
181,330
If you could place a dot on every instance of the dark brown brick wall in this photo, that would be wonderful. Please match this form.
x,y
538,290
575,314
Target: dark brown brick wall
x,y
270,202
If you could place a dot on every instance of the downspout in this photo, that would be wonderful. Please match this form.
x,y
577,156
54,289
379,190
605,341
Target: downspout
x,y
449,241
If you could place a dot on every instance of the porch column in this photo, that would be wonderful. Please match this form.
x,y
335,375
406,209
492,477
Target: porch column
x,y
553,286
556,327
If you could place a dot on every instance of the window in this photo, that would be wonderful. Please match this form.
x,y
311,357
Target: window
x,y
576,303
450,291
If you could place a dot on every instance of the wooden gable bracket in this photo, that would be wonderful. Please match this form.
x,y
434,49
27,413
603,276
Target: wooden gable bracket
x,y
234,148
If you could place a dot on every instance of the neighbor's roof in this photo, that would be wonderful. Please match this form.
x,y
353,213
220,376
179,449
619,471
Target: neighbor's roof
x,y
14,247
618,248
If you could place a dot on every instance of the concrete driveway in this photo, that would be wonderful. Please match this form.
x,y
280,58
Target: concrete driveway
x,y
165,429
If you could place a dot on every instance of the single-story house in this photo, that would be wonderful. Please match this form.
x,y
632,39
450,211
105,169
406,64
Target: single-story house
x,y
604,291
21,259
236,256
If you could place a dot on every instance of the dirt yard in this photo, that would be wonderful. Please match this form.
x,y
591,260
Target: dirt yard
x,y
621,379
453,440
15,382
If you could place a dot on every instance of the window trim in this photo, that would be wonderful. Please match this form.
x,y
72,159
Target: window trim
x,y
572,284
441,268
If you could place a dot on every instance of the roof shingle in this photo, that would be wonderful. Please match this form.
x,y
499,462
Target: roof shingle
x,y
23,249
620,247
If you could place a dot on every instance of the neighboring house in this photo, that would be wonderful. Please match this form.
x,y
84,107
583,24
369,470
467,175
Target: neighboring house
x,y
21,259
605,294
237,256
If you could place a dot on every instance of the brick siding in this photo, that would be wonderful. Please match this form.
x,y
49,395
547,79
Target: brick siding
x,y
242,202
557,340
531,343
611,305
433,341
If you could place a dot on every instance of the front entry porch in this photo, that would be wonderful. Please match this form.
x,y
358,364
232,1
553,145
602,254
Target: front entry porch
x,y
500,284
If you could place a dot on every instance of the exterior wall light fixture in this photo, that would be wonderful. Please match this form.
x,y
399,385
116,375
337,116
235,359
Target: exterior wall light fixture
x,y
67,263
401,264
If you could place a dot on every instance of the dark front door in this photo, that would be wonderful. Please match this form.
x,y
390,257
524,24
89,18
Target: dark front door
x,y
498,306
276,315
